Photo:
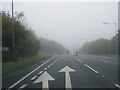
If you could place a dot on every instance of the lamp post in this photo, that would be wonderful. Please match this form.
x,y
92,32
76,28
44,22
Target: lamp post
x,y
114,23
13,30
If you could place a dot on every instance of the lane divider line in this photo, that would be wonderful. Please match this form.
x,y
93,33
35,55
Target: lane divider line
x,y
91,68
13,85
23,86
51,64
48,66
106,61
117,85
33,78
79,60
54,61
40,72
45,68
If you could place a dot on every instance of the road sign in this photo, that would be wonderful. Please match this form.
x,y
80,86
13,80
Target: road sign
x,y
4,48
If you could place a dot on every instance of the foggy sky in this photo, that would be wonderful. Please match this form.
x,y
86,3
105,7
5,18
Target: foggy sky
x,y
72,24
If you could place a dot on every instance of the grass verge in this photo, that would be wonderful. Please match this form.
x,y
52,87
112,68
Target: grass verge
x,y
10,67
111,55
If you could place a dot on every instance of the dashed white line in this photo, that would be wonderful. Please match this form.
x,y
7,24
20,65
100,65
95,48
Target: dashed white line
x,y
79,60
117,85
40,72
45,68
91,68
23,86
48,66
54,62
13,85
33,78
107,61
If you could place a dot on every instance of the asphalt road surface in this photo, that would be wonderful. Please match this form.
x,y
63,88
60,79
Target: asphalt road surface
x,y
67,71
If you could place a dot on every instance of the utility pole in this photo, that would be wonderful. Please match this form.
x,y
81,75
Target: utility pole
x,y
13,31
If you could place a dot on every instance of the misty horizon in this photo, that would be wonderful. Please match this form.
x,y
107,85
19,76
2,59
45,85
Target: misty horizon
x,y
71,24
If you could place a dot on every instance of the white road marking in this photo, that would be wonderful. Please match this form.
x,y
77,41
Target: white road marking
x,y
79,60
46,61
67,69
45,68
33,78
48,66
44,78
117,85
91,68
107,61
54,61
23,86
40,72
13,85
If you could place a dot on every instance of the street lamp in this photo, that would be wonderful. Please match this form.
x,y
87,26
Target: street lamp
x,y
114,23
13,30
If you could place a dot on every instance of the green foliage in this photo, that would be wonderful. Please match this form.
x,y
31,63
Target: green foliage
x,y
50,46
26,43
9,67
101,46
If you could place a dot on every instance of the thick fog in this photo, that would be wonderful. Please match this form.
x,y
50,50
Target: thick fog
x,y
71,24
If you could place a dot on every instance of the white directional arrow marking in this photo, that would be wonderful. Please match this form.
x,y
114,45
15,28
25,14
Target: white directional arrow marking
x,y
44,78
67,69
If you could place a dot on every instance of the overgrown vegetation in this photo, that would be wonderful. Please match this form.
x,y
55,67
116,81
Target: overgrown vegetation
x,y
102,46
27,44
51,47
9,67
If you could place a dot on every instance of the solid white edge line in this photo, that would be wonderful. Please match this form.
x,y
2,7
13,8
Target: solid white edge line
x,y
13,85
91,68
33,78
23,86
117,85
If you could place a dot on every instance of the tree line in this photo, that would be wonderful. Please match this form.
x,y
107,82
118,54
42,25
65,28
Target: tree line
x,y
102,46
26,43
51,46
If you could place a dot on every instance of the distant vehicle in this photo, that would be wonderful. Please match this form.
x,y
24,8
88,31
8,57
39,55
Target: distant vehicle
x,y
76,54
68,51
